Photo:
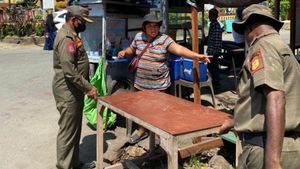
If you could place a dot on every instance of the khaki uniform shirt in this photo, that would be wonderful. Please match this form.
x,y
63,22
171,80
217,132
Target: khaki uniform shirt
x,y
71,66
269,62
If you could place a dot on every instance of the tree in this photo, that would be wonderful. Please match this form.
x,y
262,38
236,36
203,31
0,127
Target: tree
x,y
29,3
284,8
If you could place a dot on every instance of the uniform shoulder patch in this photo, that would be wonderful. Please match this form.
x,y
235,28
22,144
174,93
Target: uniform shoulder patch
x,y
70,47
78,42
256,62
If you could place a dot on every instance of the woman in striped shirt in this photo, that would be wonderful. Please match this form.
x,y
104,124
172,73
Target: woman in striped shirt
x,y
153,71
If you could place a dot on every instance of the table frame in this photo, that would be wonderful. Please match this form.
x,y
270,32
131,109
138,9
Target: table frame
x,y
169,142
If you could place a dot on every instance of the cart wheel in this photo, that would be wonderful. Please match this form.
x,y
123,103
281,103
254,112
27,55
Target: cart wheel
x,y
123,84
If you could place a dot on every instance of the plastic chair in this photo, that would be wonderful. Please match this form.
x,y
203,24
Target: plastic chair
x,y
207,83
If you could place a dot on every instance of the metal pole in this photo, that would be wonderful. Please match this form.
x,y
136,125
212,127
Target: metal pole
x,y
104,38
277,9
164,14
195,46
293,24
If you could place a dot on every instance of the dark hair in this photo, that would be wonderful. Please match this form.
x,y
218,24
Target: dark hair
x,y
213,12
50,25
239,12
144,26
49,19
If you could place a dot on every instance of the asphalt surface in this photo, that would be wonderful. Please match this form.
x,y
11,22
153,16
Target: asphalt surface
x,y
28,116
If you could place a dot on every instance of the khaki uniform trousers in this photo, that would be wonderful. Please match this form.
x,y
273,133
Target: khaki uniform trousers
x,y
252,156
68,137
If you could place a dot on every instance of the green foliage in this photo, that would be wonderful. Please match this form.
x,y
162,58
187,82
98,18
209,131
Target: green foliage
x,y
38,17
193,161
30,3
2,27
284,8
21,29
9,30
24,29
39,29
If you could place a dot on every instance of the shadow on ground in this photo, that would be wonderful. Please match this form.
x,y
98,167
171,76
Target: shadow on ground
x,y
88,146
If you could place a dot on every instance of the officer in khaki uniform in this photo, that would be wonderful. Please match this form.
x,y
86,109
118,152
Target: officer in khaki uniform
x,y
267,113
70,84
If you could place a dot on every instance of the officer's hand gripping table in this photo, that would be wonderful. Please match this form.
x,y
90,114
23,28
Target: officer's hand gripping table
x,y
170,117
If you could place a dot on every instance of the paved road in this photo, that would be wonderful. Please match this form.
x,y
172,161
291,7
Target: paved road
x,y
27,110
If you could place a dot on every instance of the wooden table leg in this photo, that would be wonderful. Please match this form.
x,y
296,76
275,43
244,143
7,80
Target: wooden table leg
x,y
99,140
172,152
151,142
175,88
179,91
128,127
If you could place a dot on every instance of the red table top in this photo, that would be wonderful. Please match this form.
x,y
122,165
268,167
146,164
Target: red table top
x,y
169,113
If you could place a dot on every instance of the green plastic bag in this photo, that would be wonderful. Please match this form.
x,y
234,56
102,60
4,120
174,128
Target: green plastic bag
x,y
90,105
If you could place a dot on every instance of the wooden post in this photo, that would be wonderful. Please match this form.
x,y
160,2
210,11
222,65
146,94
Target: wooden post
x,y
195,46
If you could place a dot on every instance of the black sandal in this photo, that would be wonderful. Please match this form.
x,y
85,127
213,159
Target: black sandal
x,y
136,138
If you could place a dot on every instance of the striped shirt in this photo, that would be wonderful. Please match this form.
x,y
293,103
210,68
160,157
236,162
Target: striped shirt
x,y
153,71
214,39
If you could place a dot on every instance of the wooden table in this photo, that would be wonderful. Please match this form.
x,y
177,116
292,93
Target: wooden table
x,y
170,117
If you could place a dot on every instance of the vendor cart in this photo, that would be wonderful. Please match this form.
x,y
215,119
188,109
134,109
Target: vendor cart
x,y
115,24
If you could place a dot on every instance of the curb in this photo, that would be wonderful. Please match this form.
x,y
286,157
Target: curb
x,y
29,40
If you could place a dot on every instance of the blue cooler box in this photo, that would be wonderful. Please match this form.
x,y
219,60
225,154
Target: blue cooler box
x,y
175,67
228,24
187,72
